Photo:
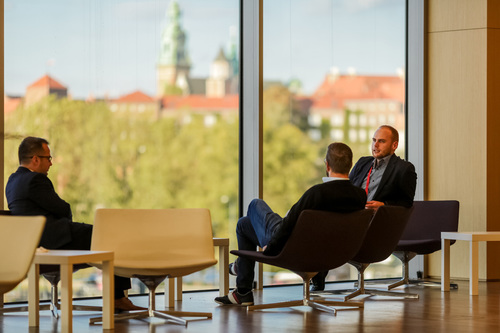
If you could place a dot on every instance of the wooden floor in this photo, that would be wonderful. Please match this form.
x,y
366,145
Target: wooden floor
x,y
435,311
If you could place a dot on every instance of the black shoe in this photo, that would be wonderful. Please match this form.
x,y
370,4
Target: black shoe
x,y
233,269
235,298
317,287
318,281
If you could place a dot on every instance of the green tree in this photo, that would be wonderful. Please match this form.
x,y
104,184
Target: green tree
x,y
125,160
292,161
172,90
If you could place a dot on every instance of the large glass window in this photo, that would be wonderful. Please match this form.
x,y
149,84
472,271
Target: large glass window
x,y
139,100
333,71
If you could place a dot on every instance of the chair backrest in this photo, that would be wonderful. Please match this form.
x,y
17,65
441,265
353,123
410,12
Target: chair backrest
x,y
19,238
430,218
154,238
384,233
324,240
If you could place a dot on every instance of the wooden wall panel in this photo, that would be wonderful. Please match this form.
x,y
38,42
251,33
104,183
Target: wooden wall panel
x,y
463,123
456,123
493,146
494,14
448,15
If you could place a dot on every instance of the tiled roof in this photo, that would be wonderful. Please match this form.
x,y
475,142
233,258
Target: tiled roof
x,y
47,81
10,104
135,97
201,102
335,92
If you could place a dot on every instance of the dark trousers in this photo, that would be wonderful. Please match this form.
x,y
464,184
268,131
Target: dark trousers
x,y
255,229
81,237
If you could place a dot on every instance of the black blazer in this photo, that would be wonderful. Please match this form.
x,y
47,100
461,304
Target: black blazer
x,y
397,186
32,193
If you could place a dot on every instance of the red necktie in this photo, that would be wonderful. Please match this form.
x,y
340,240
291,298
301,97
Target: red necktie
x,y
368,180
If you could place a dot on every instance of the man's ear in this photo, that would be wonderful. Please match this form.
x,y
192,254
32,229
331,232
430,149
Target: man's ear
x,y
395,145
328,169
35,161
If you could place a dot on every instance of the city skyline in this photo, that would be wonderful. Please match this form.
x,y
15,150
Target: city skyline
x,y
111,48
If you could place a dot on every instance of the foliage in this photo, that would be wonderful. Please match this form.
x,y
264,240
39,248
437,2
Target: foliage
x,y
134,160
280,108
172,90
105,159
292,161
129,160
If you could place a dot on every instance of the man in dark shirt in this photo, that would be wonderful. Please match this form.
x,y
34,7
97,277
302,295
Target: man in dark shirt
x,y
262,227
30,192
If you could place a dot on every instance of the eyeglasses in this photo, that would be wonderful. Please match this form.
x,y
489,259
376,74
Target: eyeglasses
x,y
47,157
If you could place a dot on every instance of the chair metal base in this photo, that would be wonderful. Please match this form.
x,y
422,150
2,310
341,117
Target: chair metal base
x,y
405,257
307,301
361,290
371,292
174,316
419,282
325,306
53,306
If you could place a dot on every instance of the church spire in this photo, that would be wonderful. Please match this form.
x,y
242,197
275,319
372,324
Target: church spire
x,y
173,63
173,42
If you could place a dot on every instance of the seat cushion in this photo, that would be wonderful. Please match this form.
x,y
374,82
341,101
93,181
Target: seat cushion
x,y
420,246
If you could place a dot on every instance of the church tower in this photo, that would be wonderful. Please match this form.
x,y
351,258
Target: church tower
x,y
173,64
220,72
224,71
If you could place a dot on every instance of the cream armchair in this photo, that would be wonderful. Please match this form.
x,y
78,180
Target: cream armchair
x,y
19,238
153,244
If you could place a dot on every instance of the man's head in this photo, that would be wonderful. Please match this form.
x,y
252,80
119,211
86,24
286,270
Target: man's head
x,y
34,154
385,141
339,158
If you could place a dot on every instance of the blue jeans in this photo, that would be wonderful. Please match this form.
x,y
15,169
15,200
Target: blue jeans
x,y
255,229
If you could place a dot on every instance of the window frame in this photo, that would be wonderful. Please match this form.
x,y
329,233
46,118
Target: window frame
x,y
251,79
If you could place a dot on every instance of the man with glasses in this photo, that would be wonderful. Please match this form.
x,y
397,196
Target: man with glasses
x,y
30,192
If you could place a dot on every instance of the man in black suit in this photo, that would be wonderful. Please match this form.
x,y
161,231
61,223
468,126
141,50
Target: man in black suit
x,y
390,180
30,192
262,227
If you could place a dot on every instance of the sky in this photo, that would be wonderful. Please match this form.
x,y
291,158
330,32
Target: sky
x,y
110,47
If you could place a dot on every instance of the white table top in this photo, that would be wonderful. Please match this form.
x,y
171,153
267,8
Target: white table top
x,y
221,241
474,236
71,256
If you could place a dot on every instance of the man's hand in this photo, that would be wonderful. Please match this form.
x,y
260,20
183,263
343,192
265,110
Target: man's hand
x,y
373,204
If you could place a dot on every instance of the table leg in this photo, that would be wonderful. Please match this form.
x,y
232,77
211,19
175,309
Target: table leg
x,y
223,270
67,298
33,296
259,273
474,268
178,288
170,292
108,297
445,264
